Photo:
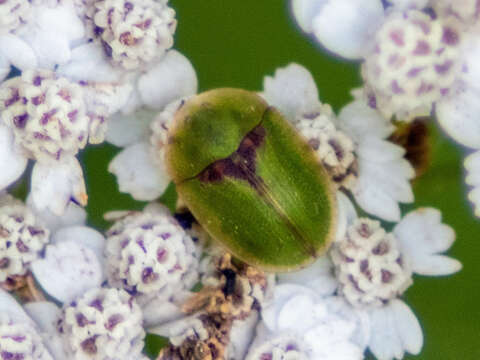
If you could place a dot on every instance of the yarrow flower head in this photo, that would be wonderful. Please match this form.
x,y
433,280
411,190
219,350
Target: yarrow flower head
x,y
150,255
369,266
20,340
23,237
103,324
413,65
334,148
329,328
46,113
134,32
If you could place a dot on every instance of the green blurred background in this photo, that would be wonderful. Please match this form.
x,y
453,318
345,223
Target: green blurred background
x,y
236,43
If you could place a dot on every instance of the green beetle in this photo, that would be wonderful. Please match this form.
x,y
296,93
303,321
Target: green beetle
x,y
251,180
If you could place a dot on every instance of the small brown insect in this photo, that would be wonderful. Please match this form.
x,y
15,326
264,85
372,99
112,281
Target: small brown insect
x,y
415,138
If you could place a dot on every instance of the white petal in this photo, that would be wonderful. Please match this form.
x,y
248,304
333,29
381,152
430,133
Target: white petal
x,y
408,327
12,163
62,18
474,197
18,52
472,164
359,120
435,265
241,336
4,67
138,173
172,78
282,294
160,311
10,306
422,231
68,270
84,236
378,150
45,314
297,307
49,48
317,276
458,117
291,90
345,27
51,31
385,342
383,177
395,329
88,63
346,215
127,129
375,201
304,12
54,185
73,215
421,236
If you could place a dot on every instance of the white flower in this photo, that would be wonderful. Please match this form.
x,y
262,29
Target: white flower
x,y
292,90
46,114
150,255
32,335
383,172
334,148
353,147
36,34
414,64
72,261
328,330
43,118
418,239
369,266
103,324
134,32
342,26
139,167
22,237
422,239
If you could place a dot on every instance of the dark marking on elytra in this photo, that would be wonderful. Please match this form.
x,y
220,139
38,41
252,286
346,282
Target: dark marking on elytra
x,y
241,164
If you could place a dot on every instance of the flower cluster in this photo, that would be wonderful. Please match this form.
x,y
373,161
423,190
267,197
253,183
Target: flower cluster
x,y
419,57
74,72
81,62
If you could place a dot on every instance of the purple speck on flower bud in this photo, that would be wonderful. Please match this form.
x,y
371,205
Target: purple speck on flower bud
x,y
21,246
97,304
13,99
20,120
148,275
142,245
11,356
4,263
89,345
35,231
113,321
81,320
450,36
